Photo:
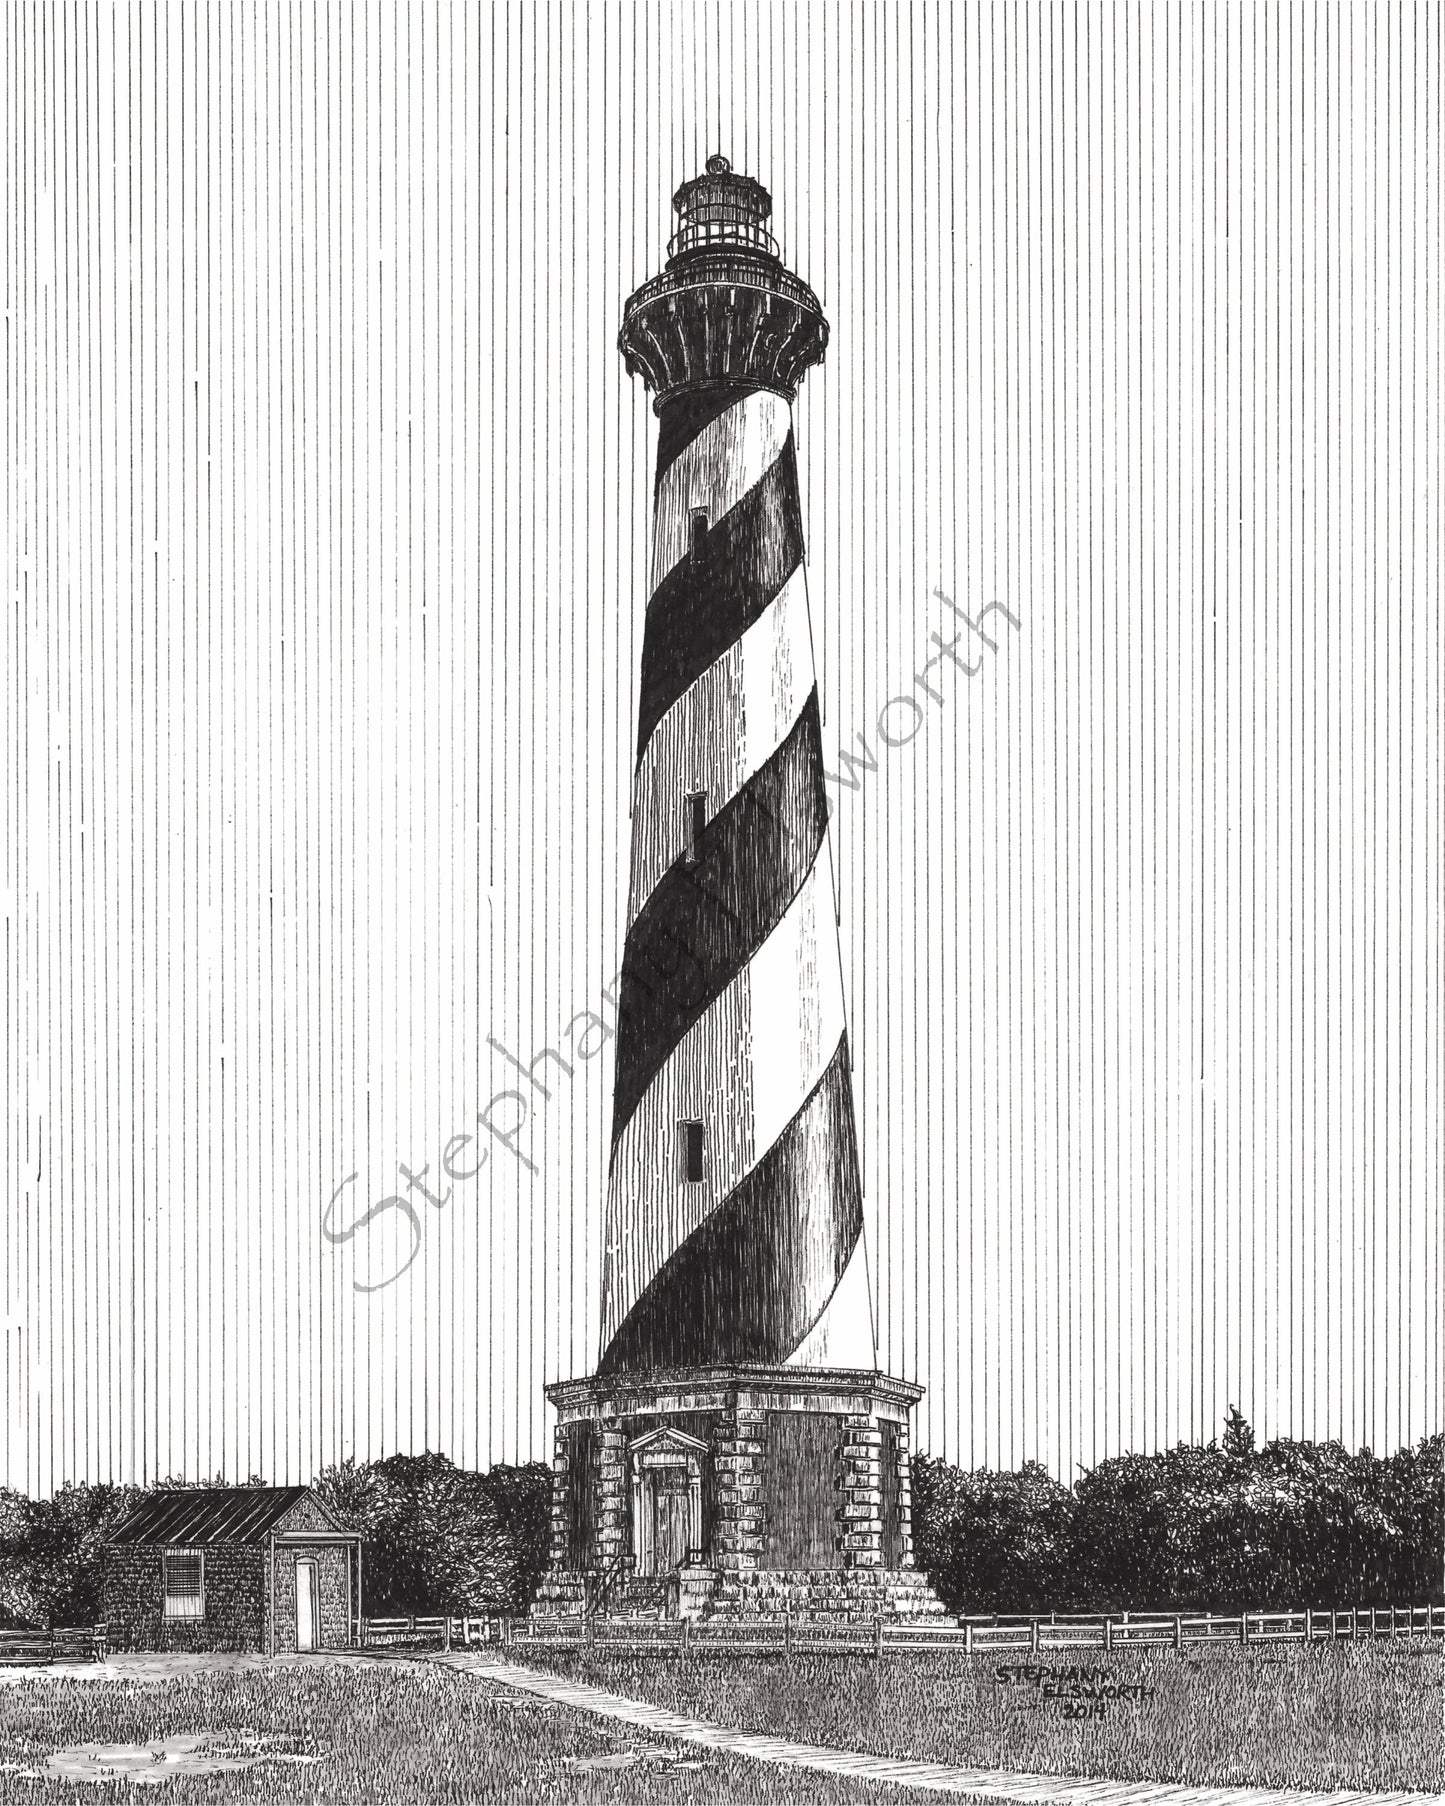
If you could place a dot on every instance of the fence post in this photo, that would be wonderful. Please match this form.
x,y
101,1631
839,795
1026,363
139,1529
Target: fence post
x,y
684,1638
788,1636
447,1634
968,1636
1108,1632
1178,1632
878,1638
1244,1629
1033,1633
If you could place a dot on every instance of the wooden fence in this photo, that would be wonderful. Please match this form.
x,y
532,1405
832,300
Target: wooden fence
x,y
85,1644
970,1636
784,1636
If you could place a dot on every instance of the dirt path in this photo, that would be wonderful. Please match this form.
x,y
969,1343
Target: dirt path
x,y
939,1777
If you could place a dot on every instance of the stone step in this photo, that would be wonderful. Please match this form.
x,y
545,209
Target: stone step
x,y
856,1597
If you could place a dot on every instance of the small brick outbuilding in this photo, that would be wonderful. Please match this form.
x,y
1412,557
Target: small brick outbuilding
x,y
264,1568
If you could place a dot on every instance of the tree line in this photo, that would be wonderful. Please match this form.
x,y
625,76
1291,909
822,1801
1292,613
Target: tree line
x,y
1219,1527
435,1537
1223,1527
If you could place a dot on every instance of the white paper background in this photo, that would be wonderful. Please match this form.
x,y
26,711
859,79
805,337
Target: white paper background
x,y
325,503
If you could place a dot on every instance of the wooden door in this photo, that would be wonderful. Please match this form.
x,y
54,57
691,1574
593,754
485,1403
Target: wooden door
x,y
674,1500
664,1530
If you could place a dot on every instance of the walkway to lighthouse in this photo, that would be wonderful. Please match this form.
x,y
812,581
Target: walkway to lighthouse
x,y
935,1777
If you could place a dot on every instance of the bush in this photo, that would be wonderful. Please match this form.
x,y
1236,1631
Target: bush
x,y
52,1553
440,1538
990,1541
1216,1528
523,1497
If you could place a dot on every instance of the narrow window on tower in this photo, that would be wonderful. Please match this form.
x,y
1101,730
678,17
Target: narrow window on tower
x,y
696,822
692,1152
699,534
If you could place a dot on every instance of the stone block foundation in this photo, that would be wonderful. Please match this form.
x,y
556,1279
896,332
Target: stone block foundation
x,y
734,1492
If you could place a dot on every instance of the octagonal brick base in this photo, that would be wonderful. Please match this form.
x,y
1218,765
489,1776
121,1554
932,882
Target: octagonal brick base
x,y
734,1492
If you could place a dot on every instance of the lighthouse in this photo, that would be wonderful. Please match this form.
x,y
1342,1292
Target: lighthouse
x,y
737,1450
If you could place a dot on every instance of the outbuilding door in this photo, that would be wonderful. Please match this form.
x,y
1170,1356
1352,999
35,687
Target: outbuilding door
x,y
308,1618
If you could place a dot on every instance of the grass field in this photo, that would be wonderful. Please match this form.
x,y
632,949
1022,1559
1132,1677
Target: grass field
x,y
342,1730
1331,1716
351,1731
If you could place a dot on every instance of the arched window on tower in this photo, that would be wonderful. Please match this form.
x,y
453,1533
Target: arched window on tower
x,y
699,534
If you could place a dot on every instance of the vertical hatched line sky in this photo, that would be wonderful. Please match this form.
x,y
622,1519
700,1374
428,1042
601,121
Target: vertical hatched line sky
x,y
325,520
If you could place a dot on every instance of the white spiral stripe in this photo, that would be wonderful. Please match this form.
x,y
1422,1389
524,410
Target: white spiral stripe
x,y
729,457
719,733
843,1336
744,1070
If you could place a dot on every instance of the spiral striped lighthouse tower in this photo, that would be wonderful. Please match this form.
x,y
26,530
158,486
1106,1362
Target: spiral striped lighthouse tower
x,y
737,1449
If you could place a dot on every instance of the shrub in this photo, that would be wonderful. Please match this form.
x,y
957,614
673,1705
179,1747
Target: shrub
x,y
1212,1528
441,1538
990,1541
52,1553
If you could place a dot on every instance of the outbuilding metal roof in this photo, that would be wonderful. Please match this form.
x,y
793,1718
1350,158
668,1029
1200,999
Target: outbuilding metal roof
x,y
212,1514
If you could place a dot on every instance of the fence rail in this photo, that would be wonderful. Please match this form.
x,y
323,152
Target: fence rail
x,y
969,1636
85,1643
787,1636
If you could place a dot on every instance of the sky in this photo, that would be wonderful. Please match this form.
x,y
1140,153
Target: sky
x,y
325,522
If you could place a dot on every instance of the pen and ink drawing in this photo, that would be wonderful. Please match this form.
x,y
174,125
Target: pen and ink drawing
x,y
765,1392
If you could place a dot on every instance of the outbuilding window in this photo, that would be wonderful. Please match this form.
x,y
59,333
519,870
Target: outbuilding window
x,y
185,1584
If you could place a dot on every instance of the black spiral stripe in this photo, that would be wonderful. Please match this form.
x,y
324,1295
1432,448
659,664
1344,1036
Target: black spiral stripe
x,y
755,1277
707,916
703,605
744,1272
687,414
